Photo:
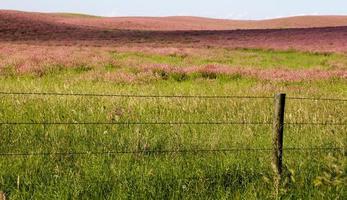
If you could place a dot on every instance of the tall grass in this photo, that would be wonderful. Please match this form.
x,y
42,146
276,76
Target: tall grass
x,y
158,161
161,175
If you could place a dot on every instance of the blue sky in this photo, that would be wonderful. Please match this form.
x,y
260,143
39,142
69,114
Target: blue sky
x,y
232,9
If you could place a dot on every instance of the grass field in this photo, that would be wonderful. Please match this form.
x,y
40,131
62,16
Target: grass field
x,y
135,169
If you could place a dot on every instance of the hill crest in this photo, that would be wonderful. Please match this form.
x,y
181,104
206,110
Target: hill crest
x,y
174,23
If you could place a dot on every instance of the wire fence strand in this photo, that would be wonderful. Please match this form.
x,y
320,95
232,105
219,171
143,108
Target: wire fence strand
x,y
185,151
172,123
314,124
317,99
136,96
166,96
136,123
137,152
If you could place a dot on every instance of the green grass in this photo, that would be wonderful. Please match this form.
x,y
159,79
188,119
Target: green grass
x,y
255,58
216,175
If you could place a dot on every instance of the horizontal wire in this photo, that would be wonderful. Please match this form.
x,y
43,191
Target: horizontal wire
x,y
171,151
313,149
315,124
135,96
164,96
172,123
136,152
316,99
134,123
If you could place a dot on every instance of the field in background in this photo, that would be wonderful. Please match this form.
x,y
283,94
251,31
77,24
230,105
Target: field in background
x,y
301,33
171,23
85,147
134,65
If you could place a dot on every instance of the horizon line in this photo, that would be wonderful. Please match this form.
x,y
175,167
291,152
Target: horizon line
x,y
167,16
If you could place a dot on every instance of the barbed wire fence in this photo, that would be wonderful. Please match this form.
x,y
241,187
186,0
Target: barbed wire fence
x,y
278,124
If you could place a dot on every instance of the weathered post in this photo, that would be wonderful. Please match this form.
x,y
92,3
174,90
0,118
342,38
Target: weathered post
x,y
278,127
2,196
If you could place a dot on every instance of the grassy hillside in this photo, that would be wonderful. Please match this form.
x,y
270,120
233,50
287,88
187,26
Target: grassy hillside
x,y
121,160
311,33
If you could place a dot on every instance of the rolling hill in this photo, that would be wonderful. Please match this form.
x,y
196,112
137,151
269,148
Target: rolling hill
x,y
177,22
317,33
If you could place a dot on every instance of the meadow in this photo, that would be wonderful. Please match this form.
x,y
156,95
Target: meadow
x,y
110,147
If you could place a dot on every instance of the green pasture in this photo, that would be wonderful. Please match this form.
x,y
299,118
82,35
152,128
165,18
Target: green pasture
x,y
120,158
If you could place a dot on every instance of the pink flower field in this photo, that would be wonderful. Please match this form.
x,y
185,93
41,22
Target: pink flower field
x,y
35,43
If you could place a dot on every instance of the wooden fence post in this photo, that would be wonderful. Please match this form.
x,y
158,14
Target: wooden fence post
x,y
278,126
2,196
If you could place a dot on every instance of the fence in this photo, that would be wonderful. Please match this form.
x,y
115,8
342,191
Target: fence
x,y
278,123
